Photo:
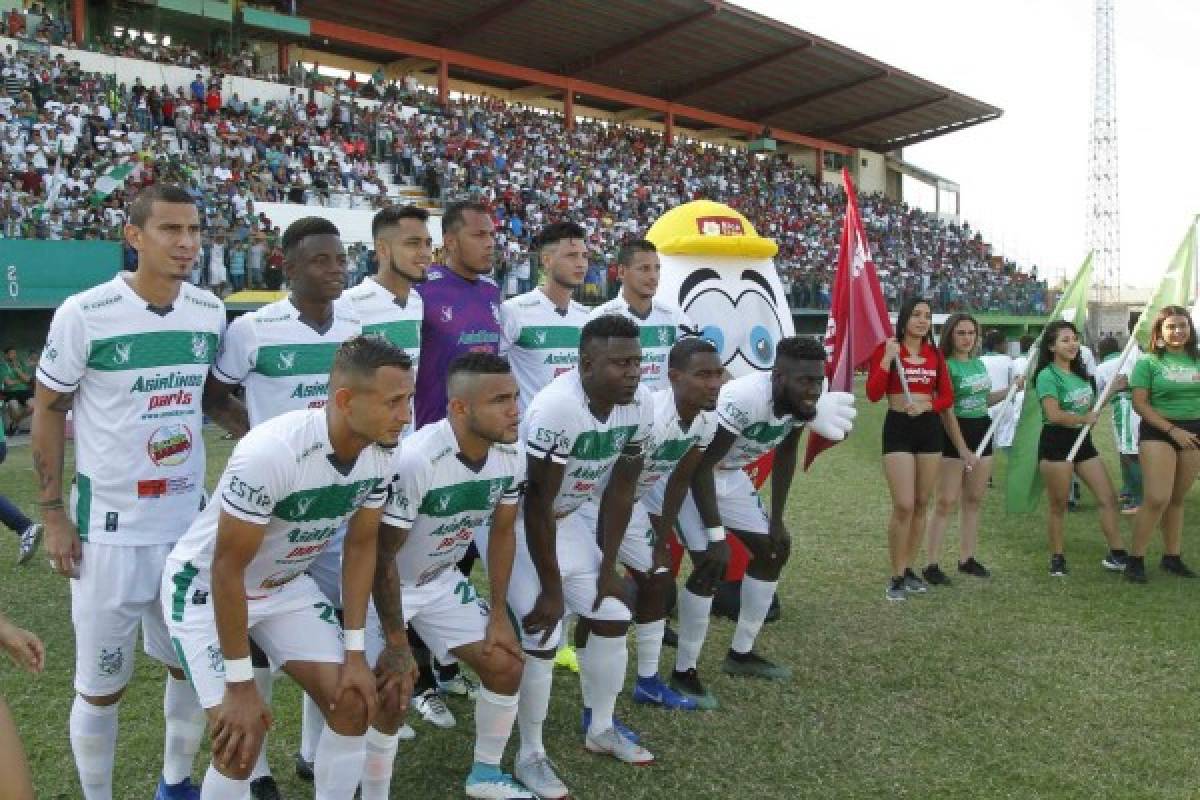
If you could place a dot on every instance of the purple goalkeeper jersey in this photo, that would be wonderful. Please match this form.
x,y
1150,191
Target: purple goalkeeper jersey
x,y
461,316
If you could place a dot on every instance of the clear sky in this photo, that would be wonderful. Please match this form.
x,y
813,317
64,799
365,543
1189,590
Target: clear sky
x,y
1024,176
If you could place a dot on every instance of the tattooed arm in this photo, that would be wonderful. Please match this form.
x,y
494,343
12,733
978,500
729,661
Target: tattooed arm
x,y
47,443
225,409
396,669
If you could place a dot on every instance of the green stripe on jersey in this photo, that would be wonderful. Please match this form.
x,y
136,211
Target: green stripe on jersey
x,y
659,335
449,501
282,360
83,504
183,581
405,333
325,502
672,450
152,349
601,445
764,432
548,337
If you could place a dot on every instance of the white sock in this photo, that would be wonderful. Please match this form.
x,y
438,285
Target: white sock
x,y
649,637
312,722
756,602
94,742
217,787
494,717
585,686
338,768
606,659
694,611
185,728
264,681
533,703
377,766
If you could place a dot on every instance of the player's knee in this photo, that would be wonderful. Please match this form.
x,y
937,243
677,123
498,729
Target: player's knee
x,y
701,583
103,700
609,627
946,507
501,673
349,717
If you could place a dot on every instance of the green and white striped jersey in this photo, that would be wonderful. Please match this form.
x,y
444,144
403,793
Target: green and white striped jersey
x,y
660,330
538,341
1125,421
283,476
283,362
137,373
744,408
381,314
442,500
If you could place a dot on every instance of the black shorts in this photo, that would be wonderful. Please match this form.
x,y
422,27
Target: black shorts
x,y
1149,433
905,434
22,396
1057,441
973,430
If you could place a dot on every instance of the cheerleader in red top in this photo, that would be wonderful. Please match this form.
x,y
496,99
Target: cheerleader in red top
x,y
912,434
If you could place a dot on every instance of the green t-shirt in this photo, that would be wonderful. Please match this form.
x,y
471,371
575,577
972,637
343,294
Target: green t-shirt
x,y
1174,383
1073,393
971,387
10,380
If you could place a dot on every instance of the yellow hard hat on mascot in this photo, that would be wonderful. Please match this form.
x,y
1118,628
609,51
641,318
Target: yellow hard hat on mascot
x,y
718,269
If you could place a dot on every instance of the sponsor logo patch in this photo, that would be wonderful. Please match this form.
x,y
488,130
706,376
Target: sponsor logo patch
x,y
170,445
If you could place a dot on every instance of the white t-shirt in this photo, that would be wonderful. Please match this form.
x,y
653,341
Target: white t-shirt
x,y
999,370
381,314
138,377
283,476
442,501
660,330
283,362
744,409
560,425
539,342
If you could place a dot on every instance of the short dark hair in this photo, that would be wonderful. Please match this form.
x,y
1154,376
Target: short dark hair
x,y
392,216
360,356
800,348
143,204
455,214
993,340
556,232
681,354
631,248
478,364
608,326
1107,346
1026,343
304,227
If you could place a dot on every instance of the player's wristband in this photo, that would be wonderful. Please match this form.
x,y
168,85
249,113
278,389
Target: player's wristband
x,y
355,639
238,670
715,534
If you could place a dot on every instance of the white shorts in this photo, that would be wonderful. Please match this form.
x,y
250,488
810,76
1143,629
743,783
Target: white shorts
x,y
637,548
737,500
117,590
579,565
446,613
296,623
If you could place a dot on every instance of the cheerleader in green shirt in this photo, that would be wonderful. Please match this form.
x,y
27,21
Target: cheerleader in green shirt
x,y
962,481
1166,393
1066,393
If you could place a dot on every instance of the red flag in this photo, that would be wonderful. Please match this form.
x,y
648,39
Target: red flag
x,y
858,317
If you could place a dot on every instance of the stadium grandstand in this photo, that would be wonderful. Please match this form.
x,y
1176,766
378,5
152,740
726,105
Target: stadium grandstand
x,y
545,110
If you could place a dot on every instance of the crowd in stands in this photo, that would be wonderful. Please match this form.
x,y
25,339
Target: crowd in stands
x,y
76,144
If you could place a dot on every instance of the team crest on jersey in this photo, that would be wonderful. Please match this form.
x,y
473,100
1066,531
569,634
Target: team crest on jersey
x,y
216,659
361,496
447,313
122,352
200,347
539,337
287,360
110,661
303,504
495,491
443,502
664,336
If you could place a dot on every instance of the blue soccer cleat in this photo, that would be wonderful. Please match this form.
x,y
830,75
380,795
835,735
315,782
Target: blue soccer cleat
x,y
653,692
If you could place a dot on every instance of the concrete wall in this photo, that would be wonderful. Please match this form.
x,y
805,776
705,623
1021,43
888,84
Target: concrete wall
x,y
870,172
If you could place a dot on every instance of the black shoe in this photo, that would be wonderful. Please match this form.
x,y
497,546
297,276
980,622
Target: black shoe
x,y
688,683
1115,560
1058,565
973,567
1175,566
304,769
670,637
934,576
264,788
1135,569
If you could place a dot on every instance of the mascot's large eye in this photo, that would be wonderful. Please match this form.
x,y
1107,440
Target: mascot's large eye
x,y
714,335
762,347
713,312
763,330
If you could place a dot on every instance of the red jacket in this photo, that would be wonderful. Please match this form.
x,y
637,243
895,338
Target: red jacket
x,y
931,377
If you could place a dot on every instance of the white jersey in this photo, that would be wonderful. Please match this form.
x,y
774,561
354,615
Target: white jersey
x,y
442,500
283,362
137,374
382,313
999,370
1125,421
744,409
538,341
560,425
1006,428
660,329
283,476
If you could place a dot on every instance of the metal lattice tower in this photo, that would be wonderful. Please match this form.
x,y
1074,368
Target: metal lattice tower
x,y
1104,207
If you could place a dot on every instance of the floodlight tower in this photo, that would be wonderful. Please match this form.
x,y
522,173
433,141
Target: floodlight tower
x,y
1104,207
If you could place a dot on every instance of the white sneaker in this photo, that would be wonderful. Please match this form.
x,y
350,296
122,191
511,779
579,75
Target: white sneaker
x,y
538,774
31,539
432,708
614,744
461,685
406,733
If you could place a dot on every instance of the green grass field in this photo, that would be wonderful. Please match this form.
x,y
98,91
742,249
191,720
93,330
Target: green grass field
x,y
1019,686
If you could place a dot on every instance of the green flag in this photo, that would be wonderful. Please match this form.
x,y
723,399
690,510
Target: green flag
x,y
1175,289
1023,487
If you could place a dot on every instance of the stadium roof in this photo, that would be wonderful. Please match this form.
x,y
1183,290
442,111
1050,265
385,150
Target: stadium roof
x,y
704,54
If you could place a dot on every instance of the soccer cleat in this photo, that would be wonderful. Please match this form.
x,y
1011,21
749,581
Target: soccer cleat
x,y
184,790
432,708
1058,565
566,658
538,774
752,665
1114,560
627,732
670,637
913,584
973,567
264,788
488,782
653,692
934,576
1135,569
1130,508
31,540
1175,566
612,743
304,768
894,591
688,684
461,685
406,733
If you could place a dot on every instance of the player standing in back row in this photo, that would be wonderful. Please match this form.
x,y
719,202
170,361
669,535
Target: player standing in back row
x,y
130,356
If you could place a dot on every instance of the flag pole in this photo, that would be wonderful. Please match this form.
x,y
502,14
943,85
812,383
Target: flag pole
x,y
1005,410
1103,398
